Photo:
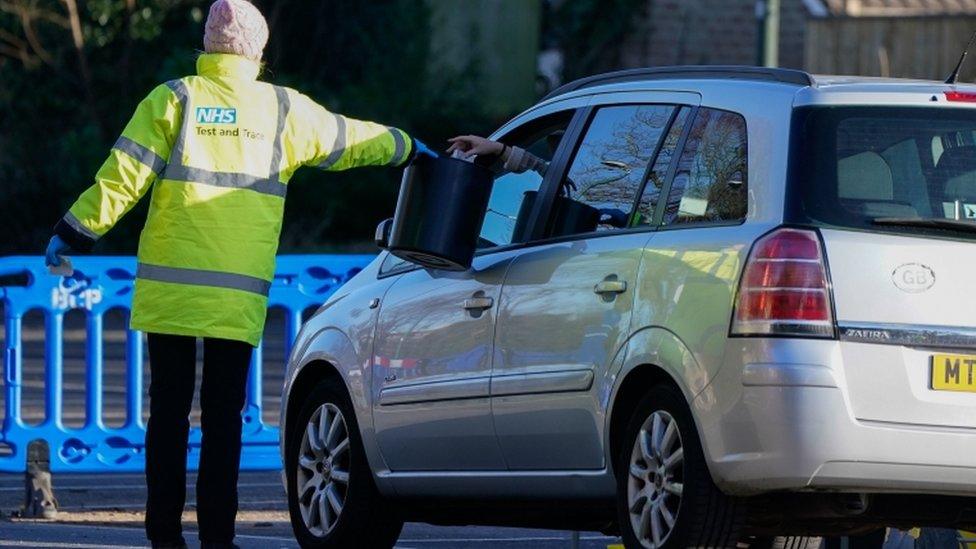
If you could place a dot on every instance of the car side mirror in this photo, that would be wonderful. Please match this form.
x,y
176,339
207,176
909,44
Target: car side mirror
x,y
382,237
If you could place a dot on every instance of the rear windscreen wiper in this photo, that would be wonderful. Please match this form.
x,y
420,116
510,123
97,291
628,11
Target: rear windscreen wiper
x,y
933,222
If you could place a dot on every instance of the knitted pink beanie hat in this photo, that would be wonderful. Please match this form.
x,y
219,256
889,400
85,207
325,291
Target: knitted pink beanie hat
x,y
237,27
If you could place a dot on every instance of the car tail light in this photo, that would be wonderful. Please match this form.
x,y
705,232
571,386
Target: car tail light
x,y
784,289
961,97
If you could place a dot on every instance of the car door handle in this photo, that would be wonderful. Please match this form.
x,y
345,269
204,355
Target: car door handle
x,y
610,286
478,303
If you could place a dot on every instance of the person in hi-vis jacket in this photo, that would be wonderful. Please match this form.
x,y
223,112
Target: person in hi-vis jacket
x,y
217,151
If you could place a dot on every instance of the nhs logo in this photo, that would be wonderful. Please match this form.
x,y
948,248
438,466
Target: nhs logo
x,y
216,115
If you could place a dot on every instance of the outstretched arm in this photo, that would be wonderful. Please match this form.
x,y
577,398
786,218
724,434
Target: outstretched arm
x,y
337,142
132,166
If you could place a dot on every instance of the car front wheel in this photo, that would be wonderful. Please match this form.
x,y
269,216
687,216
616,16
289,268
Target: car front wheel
x,y
665,494
332,499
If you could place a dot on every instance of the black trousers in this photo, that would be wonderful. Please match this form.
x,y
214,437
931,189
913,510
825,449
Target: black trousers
x,y
172,362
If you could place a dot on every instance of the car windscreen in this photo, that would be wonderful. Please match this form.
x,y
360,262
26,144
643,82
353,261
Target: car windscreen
x,y
895,169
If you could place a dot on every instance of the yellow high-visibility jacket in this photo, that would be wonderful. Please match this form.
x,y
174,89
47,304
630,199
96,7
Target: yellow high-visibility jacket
x,y
217,149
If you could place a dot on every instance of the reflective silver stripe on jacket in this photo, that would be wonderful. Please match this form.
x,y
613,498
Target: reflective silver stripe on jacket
x,y
200,277
339,146
254,183
176,170
75,224
284,104
179,88
399,147
140,153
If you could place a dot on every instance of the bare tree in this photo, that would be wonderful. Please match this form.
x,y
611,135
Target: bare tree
x,y
34,19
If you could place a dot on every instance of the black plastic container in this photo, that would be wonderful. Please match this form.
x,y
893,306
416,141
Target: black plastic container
x,y
439,212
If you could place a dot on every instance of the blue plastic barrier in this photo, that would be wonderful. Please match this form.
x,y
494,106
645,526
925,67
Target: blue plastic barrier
x,y
100,284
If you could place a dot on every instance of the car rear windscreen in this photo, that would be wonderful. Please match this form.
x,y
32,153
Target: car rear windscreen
x,y
874,167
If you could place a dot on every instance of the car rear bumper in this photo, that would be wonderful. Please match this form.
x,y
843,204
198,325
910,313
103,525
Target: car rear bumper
x,y
789,426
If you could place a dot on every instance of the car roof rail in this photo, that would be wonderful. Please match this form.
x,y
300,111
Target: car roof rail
x,y
711,72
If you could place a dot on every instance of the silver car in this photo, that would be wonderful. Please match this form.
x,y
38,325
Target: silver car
x,y
767,331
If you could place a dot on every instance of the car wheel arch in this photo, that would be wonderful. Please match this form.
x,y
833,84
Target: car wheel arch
x,y
332,346
653,355
331,352
632,388
636,383
311,374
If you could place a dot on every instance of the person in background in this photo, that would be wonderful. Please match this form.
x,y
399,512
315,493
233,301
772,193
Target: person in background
x,y
217,151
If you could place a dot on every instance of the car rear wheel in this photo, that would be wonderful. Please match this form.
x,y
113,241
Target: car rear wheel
x,y
332,499
665,494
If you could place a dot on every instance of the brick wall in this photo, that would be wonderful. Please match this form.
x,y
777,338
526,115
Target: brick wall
x,y
697,32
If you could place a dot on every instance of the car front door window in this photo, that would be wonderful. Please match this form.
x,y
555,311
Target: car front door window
x,y
513,194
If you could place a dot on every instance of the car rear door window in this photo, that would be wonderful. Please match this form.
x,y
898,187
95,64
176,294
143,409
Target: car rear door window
x,y
601,186
709,183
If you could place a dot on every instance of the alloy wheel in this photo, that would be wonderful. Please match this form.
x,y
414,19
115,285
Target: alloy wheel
x,y
655,480
323,470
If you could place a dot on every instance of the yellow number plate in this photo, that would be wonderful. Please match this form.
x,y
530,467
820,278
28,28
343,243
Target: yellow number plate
x,y
954,373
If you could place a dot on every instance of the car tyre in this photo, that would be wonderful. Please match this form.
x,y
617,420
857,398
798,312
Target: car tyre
x,y
665,494
332,498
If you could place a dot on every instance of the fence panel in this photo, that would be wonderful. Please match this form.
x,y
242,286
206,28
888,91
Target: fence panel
x,y
101,284
900,47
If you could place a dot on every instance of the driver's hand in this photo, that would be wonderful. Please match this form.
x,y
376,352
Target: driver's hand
x,y
472,145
